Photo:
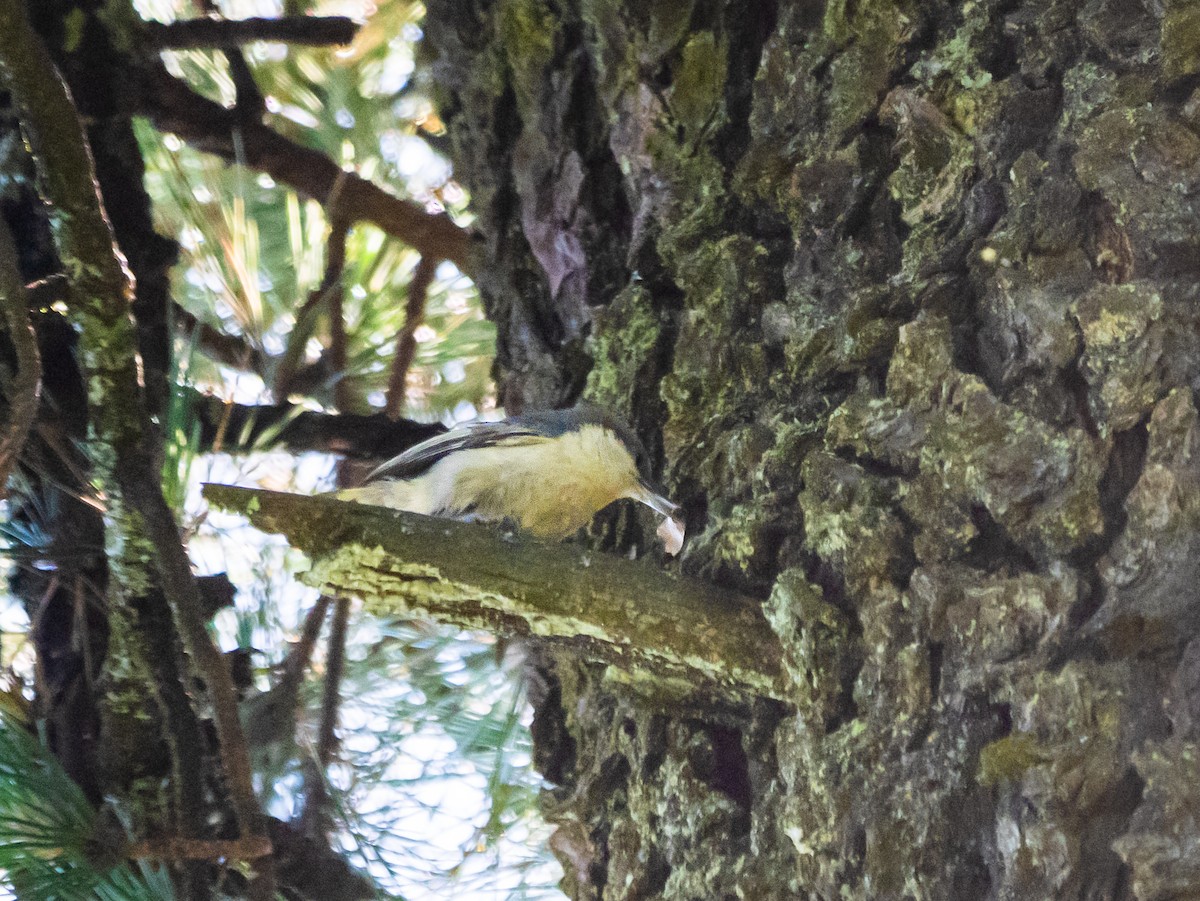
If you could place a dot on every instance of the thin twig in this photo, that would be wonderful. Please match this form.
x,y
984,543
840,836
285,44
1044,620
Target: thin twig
x,y
248,102
296,662
178,847
236,352
335,265
323,295
331,287
338,342
274,714
27,383
248,99
220,347
314,818
233,351
406,340
215,33
335,666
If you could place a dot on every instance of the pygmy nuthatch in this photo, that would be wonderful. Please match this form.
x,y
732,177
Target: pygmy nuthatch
x,y
549,471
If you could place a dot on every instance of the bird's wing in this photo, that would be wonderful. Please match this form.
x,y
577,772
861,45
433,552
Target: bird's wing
x,y
420,457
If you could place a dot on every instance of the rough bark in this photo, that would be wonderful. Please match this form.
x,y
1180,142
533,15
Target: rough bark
x,y
903,295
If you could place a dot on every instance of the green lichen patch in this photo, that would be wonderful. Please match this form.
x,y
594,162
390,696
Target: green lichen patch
x,y
819,653
1010,757
923,360
957,59
1146,163
627,335
983,620
1160,844
877,428
1123,348
1161,847
528,31
696,97
1039,483
130,712
1180,38
1029,335
695,197
856,775
980,452
721,363
680,803
1073,718
935,159
1067,761
866,41
735,539
850,521
792,441
839,333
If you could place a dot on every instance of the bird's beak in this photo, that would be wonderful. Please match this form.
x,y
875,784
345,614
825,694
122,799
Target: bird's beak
x,y
655,501
671,529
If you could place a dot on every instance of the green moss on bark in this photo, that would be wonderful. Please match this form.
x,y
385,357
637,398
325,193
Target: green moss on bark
x,y
920,303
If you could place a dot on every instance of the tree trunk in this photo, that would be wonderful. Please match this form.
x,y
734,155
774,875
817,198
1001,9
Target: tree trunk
x,y
903,297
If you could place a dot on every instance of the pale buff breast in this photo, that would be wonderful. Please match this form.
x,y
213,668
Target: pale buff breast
x,y
552,487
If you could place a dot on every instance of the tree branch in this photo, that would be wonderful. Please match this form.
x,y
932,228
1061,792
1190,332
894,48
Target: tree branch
x,y
174,107
27,382
327,294
406,340
228,350
296,662
233,351
296,429
236,352
314,818
339,343
101,295
214,33
249,103
667,633
271,716
179,847
334,667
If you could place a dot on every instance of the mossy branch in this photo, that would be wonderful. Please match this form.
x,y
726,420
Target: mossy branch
x,y
126,451
26,384
641,619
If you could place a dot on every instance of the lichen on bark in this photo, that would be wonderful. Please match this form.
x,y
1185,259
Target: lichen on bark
x,y
906,297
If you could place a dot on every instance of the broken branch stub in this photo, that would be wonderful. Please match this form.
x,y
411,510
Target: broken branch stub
x,y
646,622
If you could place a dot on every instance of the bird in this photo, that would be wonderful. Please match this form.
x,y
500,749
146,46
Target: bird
x,y
549,471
